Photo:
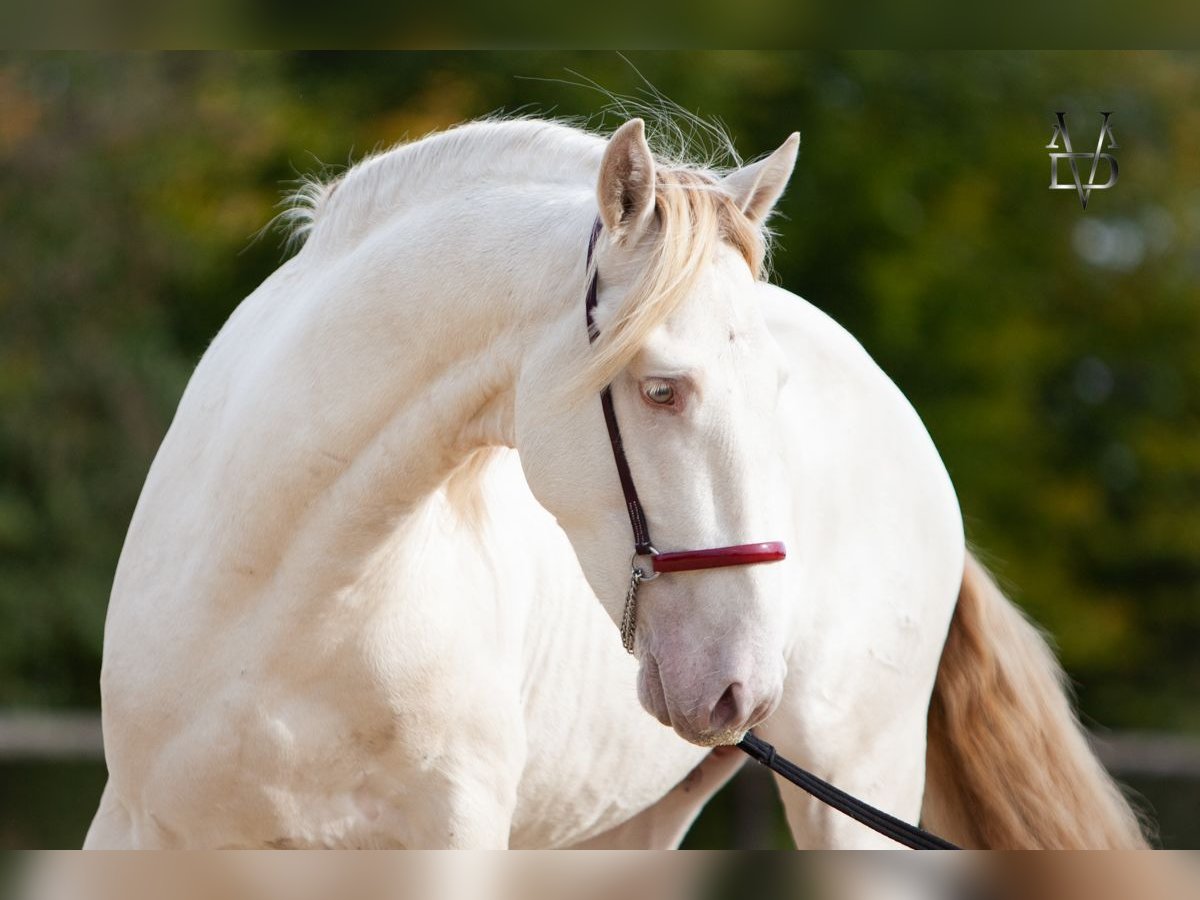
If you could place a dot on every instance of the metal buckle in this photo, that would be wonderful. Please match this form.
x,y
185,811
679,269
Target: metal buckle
x,y
648,573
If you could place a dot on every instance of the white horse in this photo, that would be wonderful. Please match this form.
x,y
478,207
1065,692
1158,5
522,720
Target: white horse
x,y
341,617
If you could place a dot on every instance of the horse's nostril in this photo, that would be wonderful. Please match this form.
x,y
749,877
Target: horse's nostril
x,y
730,711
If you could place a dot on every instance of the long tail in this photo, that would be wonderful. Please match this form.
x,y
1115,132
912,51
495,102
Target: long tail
x,y
1008,765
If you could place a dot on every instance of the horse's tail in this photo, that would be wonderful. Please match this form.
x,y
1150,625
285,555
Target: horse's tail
x,y
1008,765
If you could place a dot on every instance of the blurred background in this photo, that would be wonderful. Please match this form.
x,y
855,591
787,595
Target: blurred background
x,y
1052,351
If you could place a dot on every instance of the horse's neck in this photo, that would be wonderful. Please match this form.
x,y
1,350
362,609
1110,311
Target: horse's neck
x,y
872,498
348,387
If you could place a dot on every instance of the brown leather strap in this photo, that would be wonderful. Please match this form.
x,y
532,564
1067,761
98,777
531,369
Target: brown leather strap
x,y
637,516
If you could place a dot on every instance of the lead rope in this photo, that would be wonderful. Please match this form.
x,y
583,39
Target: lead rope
x,y
911,836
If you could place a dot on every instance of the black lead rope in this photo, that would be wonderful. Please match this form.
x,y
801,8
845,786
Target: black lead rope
x,y
889,826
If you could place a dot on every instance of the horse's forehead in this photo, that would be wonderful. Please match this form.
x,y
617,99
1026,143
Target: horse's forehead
x,y
723,300
725,335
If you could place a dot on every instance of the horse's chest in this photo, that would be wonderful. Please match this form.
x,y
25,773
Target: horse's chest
x,y
595,758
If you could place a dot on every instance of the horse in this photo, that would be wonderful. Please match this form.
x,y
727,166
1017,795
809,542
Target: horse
x,y
368,594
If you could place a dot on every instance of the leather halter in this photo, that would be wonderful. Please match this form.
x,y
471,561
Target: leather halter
x,y
660,563
713,558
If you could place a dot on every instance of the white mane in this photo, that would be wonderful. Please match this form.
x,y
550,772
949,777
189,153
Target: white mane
x,y
693,211
494,148
489,149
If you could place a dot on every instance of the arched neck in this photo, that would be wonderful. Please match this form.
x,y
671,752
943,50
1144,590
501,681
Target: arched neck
x,y
403,353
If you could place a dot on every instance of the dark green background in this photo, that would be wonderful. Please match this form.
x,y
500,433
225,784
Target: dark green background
x,y
1052,352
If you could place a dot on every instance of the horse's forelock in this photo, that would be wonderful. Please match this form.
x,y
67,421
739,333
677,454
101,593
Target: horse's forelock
x,y
693,215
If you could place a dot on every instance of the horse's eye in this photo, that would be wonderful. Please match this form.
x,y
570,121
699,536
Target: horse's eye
x,y
660,392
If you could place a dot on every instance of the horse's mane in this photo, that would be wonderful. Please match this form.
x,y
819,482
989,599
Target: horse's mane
x,y
694,214
491,148
501,144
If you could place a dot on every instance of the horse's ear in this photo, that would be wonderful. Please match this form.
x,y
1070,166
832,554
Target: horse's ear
x,y
626,187
755,188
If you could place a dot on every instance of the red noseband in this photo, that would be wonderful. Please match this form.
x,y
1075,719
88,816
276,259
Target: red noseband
x,y
718,557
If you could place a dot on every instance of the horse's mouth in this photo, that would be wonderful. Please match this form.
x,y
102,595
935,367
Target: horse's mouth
x,y
651,693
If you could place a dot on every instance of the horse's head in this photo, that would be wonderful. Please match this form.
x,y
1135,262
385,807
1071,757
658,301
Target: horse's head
x,y
695,378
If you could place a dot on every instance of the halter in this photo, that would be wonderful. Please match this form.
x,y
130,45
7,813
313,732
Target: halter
x,y
716,558
658,563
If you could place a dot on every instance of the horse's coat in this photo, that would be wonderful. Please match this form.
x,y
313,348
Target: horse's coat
x,y
312,642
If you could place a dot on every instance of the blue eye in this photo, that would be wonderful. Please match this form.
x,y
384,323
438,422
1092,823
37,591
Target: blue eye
x,y
660,392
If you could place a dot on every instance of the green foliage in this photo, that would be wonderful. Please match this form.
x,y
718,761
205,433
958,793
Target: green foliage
x,y
1051,351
